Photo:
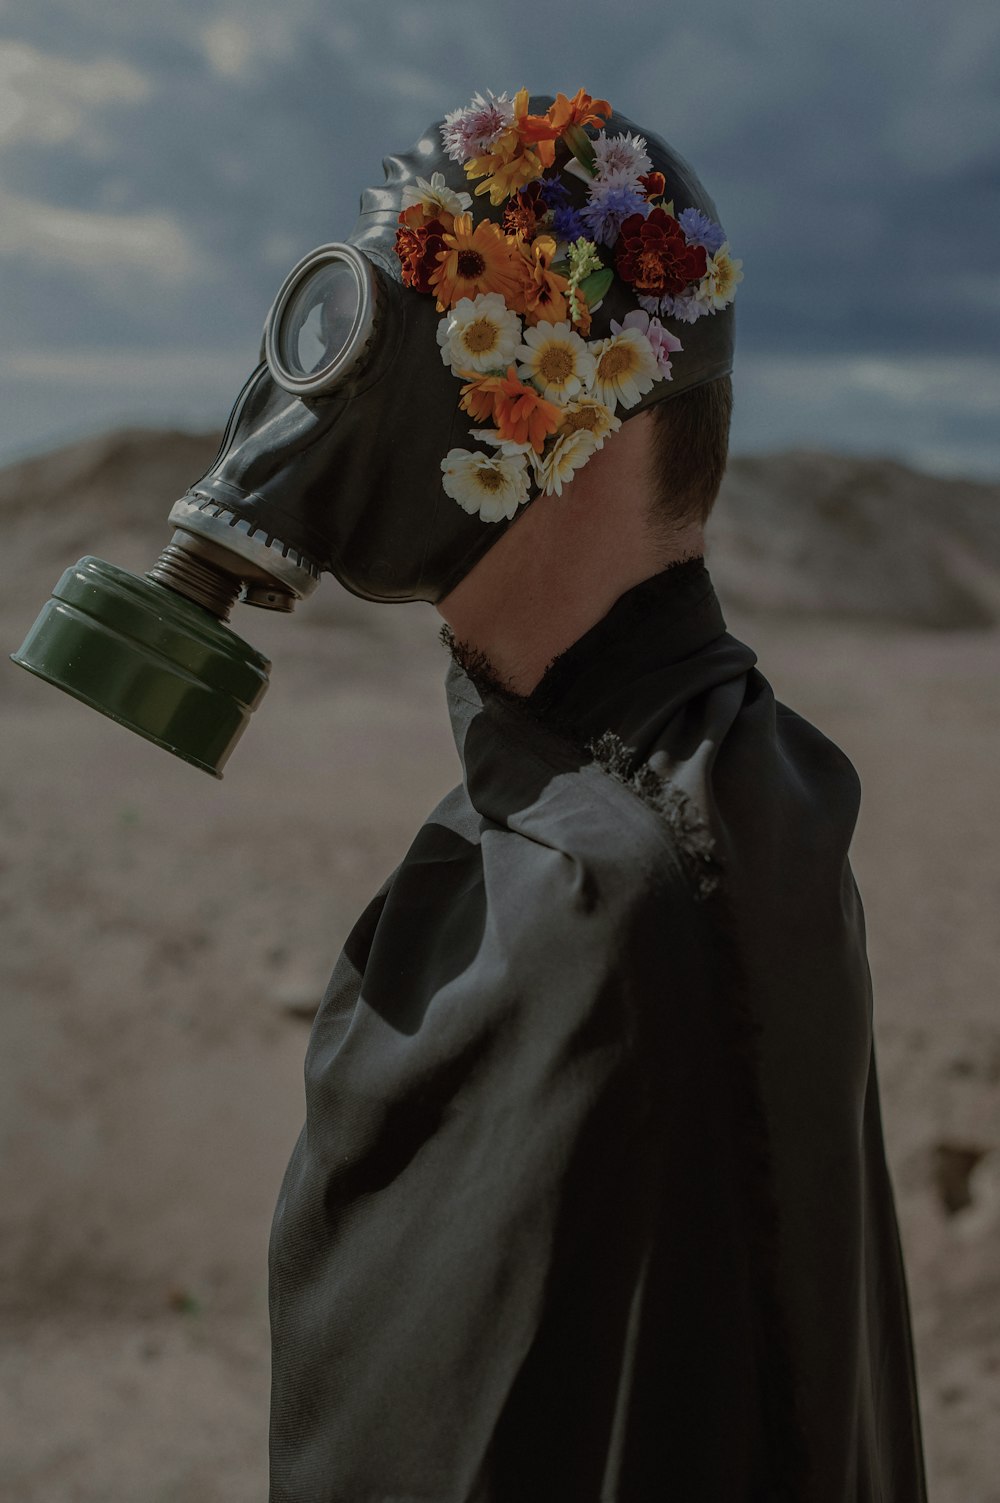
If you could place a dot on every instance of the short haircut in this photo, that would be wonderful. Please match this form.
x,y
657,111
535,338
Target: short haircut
x,y
690,444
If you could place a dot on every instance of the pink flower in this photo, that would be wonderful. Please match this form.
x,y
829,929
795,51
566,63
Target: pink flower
x,y
472,131
664,344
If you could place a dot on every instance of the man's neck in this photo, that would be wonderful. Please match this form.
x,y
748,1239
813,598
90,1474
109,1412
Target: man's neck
x,y
559,569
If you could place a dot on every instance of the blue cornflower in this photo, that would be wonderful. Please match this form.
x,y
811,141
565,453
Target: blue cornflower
x,y
554,193
700,230
567,225
605,215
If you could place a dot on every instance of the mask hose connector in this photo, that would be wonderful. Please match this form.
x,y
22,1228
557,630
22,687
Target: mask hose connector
x,y
182,570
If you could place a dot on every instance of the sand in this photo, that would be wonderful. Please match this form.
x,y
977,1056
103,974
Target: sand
x,y
165,939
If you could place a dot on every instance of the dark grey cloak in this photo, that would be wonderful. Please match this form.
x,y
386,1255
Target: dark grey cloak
x,y
591,1201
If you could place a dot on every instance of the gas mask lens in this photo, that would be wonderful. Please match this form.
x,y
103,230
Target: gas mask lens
x,y
322,320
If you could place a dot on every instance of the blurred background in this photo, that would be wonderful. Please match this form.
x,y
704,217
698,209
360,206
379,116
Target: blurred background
x,y
164,166
165,938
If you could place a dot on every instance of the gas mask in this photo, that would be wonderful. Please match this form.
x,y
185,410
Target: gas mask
x,y
335,456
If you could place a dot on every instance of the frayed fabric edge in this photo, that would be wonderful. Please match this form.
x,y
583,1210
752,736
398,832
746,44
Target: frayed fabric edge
x,y
690,831
694,840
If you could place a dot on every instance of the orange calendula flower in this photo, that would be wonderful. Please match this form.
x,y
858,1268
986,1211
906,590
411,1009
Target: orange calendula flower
x,y
520,415
543,294
537,129
475,261
580,110
478,398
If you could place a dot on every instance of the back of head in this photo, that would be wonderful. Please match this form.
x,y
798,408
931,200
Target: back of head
x,y
586,279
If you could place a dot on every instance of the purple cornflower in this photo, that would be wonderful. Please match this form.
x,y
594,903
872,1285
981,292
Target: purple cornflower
x,y
606,212
652,305
700,230
621,156
686,307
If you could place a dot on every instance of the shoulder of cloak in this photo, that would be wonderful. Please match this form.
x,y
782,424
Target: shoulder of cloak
x,y
589,890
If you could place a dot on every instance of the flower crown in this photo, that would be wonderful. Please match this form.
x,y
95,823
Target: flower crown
x,y
517,297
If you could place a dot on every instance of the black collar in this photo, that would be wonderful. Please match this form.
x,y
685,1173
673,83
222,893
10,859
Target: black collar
x,y
668,617
665,618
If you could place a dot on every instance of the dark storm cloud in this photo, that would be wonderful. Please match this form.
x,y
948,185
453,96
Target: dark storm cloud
x,y
163,166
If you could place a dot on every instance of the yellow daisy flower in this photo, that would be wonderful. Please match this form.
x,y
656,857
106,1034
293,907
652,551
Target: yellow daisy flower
x,y
624,368
479,334
435,197
556,361
722,277
568,454
491,486
587,415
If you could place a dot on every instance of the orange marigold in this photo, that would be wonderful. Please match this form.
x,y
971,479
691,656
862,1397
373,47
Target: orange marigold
x,y
416,217
418,249
525,212
475,260
517,411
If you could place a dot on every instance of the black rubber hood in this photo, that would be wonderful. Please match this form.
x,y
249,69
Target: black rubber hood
x,y
351,482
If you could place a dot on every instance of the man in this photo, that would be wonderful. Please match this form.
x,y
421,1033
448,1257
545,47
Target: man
x,y
591,1203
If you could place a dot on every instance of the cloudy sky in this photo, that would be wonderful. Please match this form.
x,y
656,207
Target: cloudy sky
x,y
163,165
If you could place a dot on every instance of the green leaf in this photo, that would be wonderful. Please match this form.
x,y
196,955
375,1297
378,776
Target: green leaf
x,y
596,285
582,147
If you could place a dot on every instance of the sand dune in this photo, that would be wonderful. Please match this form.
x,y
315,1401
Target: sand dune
x,y
166,937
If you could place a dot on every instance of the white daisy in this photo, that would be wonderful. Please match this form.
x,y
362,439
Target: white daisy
x,y
587,415
479,334
556,361
625,368
722,276
494,437
568,454
490,485
435,196
661,341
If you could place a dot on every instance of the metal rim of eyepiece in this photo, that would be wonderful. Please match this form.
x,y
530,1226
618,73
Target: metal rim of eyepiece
x,y
327,305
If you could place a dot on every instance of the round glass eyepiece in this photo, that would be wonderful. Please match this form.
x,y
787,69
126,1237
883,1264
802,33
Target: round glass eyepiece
x,y
322,320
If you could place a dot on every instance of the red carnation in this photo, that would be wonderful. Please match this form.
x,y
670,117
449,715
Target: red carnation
x,y
418,251
653,256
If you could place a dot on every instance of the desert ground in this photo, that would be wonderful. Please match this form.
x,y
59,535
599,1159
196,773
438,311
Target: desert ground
x,y
166,937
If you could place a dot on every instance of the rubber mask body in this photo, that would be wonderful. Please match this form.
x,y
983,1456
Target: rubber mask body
x,y
350,480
